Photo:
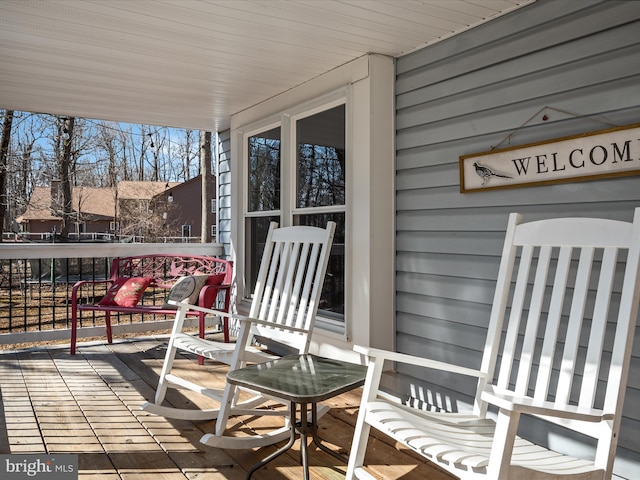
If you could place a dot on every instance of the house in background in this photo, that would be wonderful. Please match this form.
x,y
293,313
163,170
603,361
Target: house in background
x,y
167,210
162,209
142,208
93,211
184,212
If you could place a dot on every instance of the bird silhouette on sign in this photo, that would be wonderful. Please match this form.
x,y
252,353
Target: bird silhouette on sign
x,y
485,173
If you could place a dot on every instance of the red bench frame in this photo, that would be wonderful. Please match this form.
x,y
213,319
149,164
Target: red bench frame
x,y
165,270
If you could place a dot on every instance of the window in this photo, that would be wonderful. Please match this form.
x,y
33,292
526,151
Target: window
x,y
320,192
213,232
324,150
263,202
264,171
299,178
320,162
213,205
186,231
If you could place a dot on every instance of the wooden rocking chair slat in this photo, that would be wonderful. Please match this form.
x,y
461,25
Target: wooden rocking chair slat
x,y
598,328
511,338
292,285
533,321
576,316
309,293
553,324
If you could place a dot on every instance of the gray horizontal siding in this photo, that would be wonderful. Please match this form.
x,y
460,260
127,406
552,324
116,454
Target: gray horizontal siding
x,y
468,94
224,191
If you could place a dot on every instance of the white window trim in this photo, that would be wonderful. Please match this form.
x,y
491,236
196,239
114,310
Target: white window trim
x,y
286,121
368,83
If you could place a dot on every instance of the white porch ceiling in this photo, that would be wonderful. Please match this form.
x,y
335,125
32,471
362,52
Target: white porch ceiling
x,y
193,63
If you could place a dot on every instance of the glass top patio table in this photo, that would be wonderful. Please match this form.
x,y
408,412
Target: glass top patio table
x,y
301,378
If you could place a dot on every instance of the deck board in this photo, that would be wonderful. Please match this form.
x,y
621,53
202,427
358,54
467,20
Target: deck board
x,y
90,405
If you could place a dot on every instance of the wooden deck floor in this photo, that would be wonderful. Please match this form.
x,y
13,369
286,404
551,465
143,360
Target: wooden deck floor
x,y
89,405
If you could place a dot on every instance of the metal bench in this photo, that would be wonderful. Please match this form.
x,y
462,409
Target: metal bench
x,y
163,270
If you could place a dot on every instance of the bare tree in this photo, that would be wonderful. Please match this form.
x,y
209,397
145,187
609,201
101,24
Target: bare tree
x,y
109,150
156,147
208,186
4,155
144,145
27,161
64,139
188,151
145,217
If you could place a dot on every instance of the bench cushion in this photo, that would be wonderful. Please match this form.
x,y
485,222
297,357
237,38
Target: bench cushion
x,y
126,292
186,289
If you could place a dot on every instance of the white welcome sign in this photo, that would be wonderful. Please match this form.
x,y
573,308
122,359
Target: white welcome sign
x,y
606,153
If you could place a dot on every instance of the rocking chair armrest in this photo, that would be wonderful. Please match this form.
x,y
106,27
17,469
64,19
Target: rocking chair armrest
x,y
418,361
265,323
241,318
210,311
523,404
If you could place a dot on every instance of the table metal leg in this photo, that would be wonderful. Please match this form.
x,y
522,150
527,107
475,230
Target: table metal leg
x,y
317,440
292,440
304,428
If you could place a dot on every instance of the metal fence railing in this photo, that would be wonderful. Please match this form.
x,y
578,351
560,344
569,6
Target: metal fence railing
x,y
92,237
36,282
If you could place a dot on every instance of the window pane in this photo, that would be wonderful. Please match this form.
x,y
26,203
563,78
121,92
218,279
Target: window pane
x,y
321,159
264,171
256,229
332,299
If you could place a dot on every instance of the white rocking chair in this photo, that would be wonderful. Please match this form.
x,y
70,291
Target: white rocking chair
x,y
570,289
284,307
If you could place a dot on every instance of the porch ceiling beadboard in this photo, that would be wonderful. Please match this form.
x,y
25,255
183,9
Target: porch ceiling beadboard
x,y
192,64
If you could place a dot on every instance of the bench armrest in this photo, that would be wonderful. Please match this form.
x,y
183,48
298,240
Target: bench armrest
x,y
523,404
418,361
81,283
209,293
78,285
